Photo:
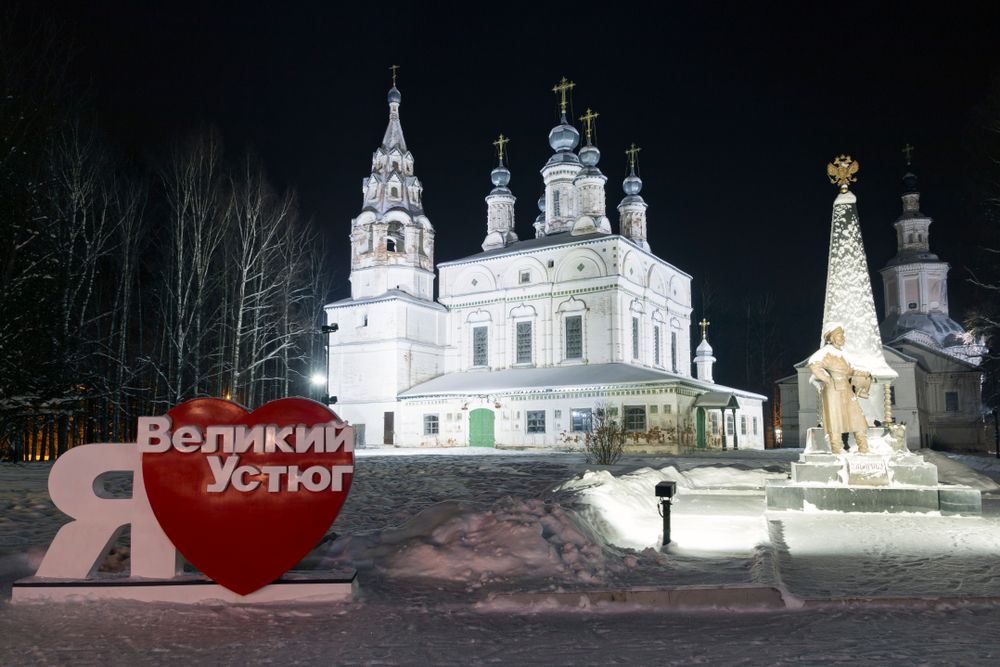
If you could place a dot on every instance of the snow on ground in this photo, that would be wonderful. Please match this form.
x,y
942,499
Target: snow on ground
x,y
436,537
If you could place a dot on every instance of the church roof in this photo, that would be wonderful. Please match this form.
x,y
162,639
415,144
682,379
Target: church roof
x,y
393,294
565,377
913,257
938,327
391,185
550,241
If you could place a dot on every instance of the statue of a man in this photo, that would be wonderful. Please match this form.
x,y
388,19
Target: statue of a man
x,y
841,385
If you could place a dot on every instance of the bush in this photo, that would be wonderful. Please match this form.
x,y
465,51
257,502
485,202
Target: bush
x,y
606,441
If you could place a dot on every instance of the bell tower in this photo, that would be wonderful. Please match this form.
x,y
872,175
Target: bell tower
x,y
392,241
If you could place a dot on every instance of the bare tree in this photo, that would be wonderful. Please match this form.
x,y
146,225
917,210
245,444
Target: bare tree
x,y
261,269
193,183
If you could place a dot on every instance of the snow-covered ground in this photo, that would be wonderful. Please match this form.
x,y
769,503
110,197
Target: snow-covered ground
x,y
461,553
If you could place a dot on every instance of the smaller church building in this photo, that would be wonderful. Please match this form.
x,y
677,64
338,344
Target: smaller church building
x,y
938,391
527,338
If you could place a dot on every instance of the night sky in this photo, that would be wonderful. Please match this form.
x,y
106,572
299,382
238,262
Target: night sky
x,y
737,108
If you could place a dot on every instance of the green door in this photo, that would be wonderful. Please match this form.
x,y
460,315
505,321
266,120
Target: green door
x,y
481,428
700,422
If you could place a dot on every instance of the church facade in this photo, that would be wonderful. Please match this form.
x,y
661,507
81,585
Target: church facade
x,y
938,391
526,338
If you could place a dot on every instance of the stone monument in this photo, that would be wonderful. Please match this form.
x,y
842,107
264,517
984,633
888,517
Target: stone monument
x,y
853,379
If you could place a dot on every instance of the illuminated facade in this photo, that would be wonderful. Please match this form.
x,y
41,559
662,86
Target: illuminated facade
x,y
527,337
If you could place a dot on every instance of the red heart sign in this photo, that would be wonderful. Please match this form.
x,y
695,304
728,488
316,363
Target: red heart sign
x,y
277,502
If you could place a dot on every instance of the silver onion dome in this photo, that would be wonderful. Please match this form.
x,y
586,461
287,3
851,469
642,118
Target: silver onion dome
x,y
632,184
590,156
500,176
541,203
395,97
564,137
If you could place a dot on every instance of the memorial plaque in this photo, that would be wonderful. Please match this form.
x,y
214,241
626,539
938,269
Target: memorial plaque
x,y
867,471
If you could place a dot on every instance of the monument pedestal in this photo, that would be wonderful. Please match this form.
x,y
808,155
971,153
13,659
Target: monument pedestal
x,y
883,480
293,587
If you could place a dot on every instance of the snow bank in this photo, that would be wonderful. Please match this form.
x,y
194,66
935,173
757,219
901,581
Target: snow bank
x,y
625,511
458,541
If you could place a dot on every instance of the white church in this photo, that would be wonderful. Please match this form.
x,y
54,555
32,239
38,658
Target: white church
x,y
938,391
526,338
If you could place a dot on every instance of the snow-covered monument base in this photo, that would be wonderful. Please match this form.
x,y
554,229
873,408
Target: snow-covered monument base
x,y
889,478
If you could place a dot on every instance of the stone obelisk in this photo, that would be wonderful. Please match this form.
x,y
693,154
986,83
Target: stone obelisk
x,y
849,300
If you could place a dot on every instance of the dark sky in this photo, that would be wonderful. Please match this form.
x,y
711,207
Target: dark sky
x,y
737,108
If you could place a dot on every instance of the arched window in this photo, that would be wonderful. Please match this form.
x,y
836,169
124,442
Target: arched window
x,y
555,203
394,237
394,193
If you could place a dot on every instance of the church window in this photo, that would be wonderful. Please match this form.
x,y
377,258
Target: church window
x,y
574,337
431,425
667,409
525,277
920,238
581,419
480,343
551,263
909,239
535,420
653,409
656,345
755,426
715,423
555,203
730,425
673,351
743,425
635,418
524,342
371,242
394,237
951,401
635,337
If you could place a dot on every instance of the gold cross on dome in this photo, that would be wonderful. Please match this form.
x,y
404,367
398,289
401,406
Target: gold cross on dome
x,y
394,68
588,122
561,89
500,143
908,154
704,327
633,156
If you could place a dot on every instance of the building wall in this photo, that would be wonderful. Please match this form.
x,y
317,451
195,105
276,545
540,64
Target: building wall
x,y
380,349
607,282
668,413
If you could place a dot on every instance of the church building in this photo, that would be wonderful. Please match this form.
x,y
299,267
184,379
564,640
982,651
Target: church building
x,y
938,392
526,337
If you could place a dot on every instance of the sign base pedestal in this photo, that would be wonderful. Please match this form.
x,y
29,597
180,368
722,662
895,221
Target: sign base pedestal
x,y
339,586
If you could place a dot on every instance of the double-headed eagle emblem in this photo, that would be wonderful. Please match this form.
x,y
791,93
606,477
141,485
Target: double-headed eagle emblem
x,y
842,171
